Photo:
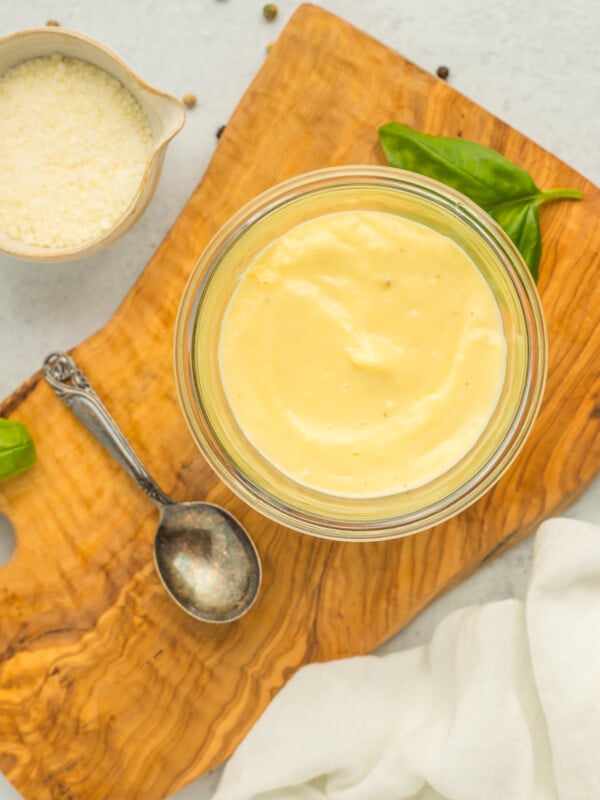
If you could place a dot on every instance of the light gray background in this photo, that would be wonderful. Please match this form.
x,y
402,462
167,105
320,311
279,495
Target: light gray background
x,y
534,64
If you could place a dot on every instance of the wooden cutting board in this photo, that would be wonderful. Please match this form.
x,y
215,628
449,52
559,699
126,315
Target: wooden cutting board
x,y
107,689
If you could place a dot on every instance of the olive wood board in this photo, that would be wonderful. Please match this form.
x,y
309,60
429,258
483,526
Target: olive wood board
x,y
107,689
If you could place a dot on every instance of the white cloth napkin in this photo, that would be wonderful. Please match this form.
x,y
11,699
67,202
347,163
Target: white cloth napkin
x,y
503,704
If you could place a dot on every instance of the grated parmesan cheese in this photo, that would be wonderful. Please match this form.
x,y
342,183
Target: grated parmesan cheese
x,y
74,144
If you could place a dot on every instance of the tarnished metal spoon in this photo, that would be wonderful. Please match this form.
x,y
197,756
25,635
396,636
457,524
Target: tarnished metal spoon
x,y
204,557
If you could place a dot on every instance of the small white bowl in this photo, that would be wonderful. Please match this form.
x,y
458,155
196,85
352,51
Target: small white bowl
x,y
165,115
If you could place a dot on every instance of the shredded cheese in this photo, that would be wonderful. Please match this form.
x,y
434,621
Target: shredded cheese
x,y
74,144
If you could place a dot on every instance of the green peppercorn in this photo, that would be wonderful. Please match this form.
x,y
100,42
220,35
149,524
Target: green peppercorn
x,y
270,11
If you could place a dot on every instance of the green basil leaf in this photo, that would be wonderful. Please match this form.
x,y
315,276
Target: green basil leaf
x,y
17,450
507,192
472,169
522,223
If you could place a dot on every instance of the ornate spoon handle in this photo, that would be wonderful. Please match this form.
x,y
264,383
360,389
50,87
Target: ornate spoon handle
x,y
73,388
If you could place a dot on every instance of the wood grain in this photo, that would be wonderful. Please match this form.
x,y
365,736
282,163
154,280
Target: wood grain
x,y
107,690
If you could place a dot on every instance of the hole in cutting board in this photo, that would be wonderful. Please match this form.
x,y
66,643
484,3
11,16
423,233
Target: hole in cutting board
x,y
7,540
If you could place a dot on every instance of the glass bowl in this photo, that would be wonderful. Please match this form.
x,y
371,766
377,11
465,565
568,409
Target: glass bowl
x,y
213,425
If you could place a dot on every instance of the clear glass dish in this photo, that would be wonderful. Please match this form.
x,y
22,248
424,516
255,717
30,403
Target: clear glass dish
x,y
213,425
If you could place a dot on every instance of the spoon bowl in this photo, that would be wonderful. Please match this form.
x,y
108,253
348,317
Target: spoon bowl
x,y
206,561
204,557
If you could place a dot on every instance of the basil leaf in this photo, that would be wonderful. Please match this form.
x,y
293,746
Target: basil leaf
x,y
482,174
17,451
522,223
507,192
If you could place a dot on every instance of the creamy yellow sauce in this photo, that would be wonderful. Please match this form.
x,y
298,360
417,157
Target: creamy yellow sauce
x,y
362,353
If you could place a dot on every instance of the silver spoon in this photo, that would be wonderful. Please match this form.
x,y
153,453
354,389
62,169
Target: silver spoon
x,y
204,557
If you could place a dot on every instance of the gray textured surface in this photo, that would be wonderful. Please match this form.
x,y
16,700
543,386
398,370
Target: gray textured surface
x,y
536,66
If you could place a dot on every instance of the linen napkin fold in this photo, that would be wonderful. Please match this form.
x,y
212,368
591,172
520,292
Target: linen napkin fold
x,y
502,704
